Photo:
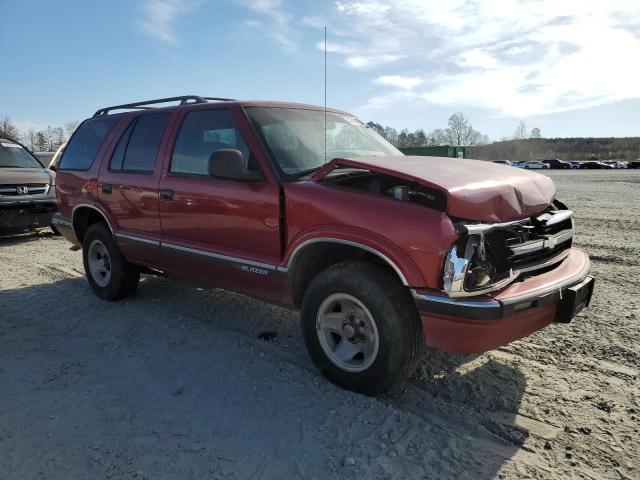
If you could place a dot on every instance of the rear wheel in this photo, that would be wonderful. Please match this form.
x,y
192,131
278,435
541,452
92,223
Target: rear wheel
x,y
111,277
361,328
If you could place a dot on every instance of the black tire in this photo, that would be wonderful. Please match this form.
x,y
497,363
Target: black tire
x,y
124,276
399,329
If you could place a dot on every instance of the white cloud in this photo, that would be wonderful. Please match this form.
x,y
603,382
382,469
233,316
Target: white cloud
x,y
514,57
399,81
159,17
279,21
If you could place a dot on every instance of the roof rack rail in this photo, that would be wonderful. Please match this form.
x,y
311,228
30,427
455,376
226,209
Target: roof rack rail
x,y
184,99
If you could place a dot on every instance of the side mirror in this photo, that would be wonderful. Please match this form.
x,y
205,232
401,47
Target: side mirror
x,y
231,165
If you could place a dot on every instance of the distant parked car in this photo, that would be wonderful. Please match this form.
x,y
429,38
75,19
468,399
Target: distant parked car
x,y
634,164
534,166
27,194
617,165
595,166
557,164
503,162
574,163
44,157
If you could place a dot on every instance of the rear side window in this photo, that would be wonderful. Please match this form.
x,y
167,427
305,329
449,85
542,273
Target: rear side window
x,y
203,133
138,147
85,143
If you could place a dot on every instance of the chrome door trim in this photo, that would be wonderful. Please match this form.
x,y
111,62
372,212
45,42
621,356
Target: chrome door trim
x,y
134,238
218,256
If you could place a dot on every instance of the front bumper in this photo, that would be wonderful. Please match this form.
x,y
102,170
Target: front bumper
x,y
473,325
26,212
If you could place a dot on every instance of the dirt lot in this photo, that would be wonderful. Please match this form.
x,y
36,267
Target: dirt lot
x,y
173,383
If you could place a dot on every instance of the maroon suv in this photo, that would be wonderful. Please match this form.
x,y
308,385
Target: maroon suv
x,y
309,208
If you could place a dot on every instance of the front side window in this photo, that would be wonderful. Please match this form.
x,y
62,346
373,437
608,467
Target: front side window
x,y
13,155
296,137
203,133
138,147
83,147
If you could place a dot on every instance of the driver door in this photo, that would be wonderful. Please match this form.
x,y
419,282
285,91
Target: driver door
x,y
226,231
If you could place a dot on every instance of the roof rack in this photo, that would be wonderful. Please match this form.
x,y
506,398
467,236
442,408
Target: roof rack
x,y
184,99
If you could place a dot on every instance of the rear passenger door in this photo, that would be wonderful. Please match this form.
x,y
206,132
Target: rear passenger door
x,y
220,229
128,187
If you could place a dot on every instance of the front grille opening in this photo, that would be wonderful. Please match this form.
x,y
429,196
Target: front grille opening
x,y
529,247
24,189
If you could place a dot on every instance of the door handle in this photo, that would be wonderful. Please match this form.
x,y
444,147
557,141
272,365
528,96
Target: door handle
x,y
166,194
107,188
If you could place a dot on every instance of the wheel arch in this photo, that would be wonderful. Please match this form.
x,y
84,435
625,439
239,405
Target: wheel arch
x,y
313,255
85,215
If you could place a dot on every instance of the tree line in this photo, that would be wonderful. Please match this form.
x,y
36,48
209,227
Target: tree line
x,y
459,131
580,148
44,140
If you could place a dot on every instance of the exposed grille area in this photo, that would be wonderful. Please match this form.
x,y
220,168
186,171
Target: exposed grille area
x,y
528,247
24,189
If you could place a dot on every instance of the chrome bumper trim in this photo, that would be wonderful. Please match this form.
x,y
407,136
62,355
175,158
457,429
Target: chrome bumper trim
x,y
440,304
488,308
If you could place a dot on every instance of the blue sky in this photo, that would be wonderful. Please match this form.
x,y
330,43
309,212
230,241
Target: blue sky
x,y
569,67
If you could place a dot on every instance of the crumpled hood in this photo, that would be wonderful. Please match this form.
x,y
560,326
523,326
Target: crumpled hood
x,y
476,190
25,176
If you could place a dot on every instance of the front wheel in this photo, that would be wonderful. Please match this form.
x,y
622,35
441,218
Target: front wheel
x,y
361,328
111,277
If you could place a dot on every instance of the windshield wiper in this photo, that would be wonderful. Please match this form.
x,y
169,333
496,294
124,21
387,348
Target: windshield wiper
x,y
303,173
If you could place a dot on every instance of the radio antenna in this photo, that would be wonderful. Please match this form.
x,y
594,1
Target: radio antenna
x,y
325,94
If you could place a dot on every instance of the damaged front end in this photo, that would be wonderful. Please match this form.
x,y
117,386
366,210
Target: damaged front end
x,y
378,183
489,256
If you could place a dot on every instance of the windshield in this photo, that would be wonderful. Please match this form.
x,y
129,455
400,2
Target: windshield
x,y
297,140
13,155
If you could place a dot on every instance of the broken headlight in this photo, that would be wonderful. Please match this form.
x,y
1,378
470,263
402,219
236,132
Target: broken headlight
x,y
468,269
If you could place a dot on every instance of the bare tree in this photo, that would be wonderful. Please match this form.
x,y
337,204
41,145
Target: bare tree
x,y
459,130
58,137
391,134
437,137
535,132
70,127
29,138
521,131
8,129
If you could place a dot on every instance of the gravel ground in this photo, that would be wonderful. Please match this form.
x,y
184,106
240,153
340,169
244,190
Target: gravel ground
x,y
174,383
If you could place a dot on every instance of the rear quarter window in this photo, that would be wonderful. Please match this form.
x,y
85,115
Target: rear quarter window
x,y
138,147
86,141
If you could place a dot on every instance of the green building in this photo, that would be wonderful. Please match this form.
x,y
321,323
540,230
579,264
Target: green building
x,y
438,151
